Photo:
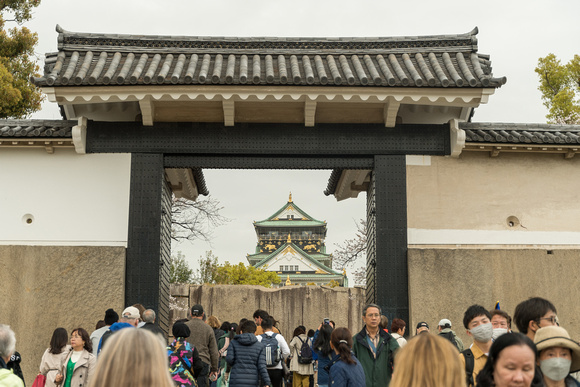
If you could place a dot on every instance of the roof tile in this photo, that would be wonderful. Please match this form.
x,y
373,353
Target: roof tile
x,y
99,59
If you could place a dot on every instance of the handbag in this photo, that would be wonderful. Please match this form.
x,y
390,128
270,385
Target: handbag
x,y
39,381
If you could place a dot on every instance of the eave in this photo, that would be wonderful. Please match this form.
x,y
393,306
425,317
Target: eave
x,y
308,105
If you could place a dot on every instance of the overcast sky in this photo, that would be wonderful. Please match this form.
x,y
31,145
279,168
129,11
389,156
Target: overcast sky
x,y
515,33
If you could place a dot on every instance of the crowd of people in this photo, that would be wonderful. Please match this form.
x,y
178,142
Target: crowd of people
x,y
131,350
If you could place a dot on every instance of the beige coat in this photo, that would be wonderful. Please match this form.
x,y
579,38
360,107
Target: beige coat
x,y
302,369
84,369
50,364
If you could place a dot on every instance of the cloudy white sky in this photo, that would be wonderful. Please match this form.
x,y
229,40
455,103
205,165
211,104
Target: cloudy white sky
x,y
515,33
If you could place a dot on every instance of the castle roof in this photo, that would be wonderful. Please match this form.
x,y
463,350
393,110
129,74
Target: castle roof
x,y
289,215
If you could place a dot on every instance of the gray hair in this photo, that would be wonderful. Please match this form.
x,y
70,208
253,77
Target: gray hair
x,y
149,316
7,341
371,306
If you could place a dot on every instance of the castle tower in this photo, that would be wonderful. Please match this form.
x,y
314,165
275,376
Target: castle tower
x,y
292,243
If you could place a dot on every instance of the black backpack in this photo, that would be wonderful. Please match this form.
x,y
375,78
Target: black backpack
x,y
273,352
469,365
305,353
449,336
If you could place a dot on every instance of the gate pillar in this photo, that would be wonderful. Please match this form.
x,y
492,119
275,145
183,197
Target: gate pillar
x,y
149,237
387,273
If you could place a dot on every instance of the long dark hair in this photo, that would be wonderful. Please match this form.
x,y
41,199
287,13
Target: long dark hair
x,y
485,376
342,341
322,343
58,341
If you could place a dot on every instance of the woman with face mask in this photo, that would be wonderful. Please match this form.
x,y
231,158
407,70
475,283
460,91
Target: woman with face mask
x,y
558,355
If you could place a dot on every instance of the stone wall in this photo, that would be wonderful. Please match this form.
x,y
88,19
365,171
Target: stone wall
x,y
290,305
443,283
46,287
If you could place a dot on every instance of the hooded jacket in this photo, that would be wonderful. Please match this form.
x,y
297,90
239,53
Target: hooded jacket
x,y
247,357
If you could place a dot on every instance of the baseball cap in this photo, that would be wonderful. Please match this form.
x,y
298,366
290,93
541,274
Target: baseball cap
x,y
422,324
444,322
131,312
197,310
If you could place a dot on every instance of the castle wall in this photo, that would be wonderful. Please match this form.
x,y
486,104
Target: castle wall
x,y
444,282
290,305
46,287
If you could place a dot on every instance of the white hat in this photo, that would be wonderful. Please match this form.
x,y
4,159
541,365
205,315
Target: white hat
x,y
444,322
131,312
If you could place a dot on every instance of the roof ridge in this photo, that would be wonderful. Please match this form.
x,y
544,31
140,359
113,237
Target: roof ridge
x,y
69,40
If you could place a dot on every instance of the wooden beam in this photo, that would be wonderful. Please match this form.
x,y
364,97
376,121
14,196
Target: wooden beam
x,y
229,112
309,113
390,112
147,111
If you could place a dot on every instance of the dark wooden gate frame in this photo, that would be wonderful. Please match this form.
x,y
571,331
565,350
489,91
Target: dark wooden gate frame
x,y
267,146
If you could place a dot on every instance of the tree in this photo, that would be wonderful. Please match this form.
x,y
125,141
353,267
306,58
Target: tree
x,y
560,88
179,271
241,274
18,96
352,253
211,272
207,272
191,220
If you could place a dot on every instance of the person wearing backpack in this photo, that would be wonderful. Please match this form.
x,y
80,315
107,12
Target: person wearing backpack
x,y
375,349
301,361
477,322
277,351
446,332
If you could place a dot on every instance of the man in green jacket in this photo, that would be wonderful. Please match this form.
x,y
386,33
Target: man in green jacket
x,y
375,349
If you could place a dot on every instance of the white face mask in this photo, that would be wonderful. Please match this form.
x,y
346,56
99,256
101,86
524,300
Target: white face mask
x,y
482,333
556,368
497,332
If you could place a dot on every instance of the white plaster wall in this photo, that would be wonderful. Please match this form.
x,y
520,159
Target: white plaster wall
x,y
468,200
73,199
287,258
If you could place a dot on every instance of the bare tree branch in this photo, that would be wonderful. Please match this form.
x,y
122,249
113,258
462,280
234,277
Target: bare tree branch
x,y
192,220
352,253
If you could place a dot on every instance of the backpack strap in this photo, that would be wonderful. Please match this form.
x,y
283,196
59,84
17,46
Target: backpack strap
x,y
469,365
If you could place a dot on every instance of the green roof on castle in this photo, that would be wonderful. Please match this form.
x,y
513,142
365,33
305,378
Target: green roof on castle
x,y
299,251
273,221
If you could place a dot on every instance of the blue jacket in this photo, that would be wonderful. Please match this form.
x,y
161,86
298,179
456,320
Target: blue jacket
x,y
247,356
324,363
112,329
346,375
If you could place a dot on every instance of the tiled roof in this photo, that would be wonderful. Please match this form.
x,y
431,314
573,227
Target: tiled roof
x,y
333,182
490,132
200,181
86,59
37,128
